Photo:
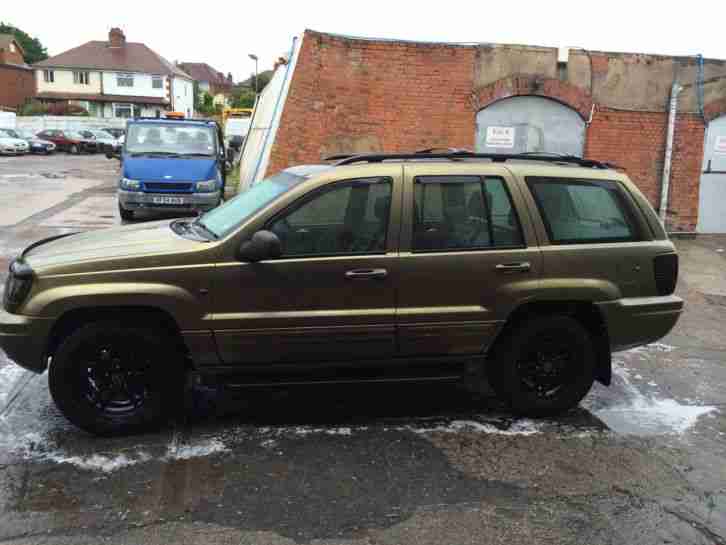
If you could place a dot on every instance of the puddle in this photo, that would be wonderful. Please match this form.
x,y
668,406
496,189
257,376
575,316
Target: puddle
x,y
630,411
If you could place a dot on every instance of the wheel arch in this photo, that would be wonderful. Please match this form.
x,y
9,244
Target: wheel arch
x,y
584,312
71,320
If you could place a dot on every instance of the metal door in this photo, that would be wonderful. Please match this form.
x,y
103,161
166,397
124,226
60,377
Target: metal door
x,y
712,193
529,123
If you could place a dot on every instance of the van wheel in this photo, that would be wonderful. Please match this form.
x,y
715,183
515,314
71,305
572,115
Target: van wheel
x,y
126,215
111,378
543,367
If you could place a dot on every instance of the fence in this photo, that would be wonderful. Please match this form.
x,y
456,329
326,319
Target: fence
x,y
40,123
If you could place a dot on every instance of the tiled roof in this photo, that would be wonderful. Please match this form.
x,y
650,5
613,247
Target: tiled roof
x,y
201,71
130,57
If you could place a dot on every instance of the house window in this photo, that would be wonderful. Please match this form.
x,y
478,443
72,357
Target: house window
x,y
82,78
157,82
125,80
48,76
123,110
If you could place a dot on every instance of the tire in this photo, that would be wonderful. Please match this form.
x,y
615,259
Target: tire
x,y
126,215
74,149
544,366
112,378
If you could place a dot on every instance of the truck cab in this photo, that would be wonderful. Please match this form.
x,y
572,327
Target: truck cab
x,y
171,164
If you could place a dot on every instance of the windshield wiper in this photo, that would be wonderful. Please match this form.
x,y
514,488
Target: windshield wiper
x,y
196,154
211,234
154,154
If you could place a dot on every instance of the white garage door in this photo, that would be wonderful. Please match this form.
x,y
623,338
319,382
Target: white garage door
x,y
529,123
712,193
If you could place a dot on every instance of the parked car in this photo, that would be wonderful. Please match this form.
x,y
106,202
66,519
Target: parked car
x,y
104,140
69,141
171,164
116,133
12,145
527,271
35,144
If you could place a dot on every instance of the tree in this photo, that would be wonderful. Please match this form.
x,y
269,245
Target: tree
x,y
34,50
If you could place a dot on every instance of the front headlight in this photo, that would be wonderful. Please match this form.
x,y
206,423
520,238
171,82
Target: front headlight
x,y
130,185
207,186
17,286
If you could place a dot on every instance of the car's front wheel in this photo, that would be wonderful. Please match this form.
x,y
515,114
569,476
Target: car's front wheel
x,y
543,366
117,378
74,149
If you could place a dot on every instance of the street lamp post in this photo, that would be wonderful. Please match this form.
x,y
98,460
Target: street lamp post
x,y
254,58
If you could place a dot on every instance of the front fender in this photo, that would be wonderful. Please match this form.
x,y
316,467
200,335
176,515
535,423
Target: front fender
x,y
187,308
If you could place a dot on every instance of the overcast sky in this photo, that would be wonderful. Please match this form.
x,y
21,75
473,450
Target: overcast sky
x,y
224,33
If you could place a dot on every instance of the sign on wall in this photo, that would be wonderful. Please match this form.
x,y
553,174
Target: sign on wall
x,y
500,137
720,145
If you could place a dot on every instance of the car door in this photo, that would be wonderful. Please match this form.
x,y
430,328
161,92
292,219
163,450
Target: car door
x,y
331,296
469,256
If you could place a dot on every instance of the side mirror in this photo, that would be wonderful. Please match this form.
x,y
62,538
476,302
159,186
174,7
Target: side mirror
x,y
263,245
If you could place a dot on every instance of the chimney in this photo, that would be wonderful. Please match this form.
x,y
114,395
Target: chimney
x,y
116,37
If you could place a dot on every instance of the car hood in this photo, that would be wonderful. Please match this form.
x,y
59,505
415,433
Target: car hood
x,y
116,243
11,141
179,170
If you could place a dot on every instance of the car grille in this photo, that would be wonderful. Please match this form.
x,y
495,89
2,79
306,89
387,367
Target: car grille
x,y
665,268
168,186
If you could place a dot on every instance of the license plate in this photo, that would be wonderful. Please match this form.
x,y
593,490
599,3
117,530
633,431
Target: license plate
x,y
168,200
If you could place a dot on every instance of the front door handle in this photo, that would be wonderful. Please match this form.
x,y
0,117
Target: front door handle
x,y
524,266
366,274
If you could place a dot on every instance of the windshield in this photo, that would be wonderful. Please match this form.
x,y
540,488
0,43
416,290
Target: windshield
x,y
171,139
8,133
102,134
76,135
226,218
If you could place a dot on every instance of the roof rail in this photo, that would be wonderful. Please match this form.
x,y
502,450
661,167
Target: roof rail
x,y
455,154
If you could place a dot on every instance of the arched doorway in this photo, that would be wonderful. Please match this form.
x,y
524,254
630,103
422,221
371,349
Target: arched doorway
x,y
529,123
712,191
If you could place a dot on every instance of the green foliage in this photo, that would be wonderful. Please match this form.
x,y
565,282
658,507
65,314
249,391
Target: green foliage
x,y
243,98
34,50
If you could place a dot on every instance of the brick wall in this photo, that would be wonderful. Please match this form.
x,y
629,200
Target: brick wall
x,y
16,85
355,95
360,95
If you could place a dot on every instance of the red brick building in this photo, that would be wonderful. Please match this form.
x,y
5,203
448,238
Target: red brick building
x,y
17,83
352,94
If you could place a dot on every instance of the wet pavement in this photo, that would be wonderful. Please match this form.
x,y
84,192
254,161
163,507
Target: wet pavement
x,y
640,462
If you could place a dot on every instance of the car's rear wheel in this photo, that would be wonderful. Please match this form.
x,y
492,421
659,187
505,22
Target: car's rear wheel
x,y
114,378
126,215
74,149
544,366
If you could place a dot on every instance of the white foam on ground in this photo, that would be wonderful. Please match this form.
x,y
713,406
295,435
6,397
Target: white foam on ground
x,y
518,427
99,462
187,452
9,376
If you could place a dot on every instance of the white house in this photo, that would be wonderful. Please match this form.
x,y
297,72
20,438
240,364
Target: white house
x,y
115,78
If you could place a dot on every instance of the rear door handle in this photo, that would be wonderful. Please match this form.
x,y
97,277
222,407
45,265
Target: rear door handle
x,y
524,266
366,274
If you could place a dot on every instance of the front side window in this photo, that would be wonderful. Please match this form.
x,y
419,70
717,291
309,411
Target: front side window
x,y
125,80
157,82
583,211
48,76
463,213
345,218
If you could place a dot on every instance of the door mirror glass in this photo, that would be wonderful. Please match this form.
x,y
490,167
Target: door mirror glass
x,y
263,245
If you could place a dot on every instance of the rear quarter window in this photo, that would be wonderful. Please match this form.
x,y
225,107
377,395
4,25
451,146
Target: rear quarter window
x,y
584,211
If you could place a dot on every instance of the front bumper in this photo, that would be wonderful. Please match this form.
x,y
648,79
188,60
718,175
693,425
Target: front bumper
x,y
636,321
138,200
24,339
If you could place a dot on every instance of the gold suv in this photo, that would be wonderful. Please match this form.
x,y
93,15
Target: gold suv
x,y
526,271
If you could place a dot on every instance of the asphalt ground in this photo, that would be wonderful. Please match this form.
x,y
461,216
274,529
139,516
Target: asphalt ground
x,y
639,462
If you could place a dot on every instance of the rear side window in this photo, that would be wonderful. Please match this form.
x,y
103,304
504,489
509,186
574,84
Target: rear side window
x,y
463,213
583,211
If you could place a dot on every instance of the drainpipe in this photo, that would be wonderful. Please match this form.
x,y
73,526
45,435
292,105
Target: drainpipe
x,y
666,180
